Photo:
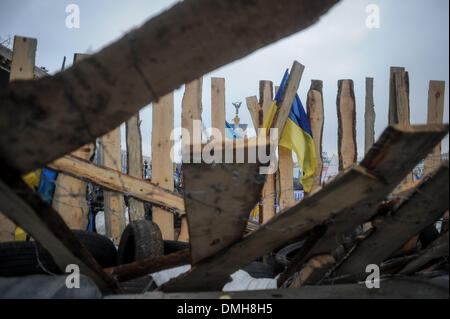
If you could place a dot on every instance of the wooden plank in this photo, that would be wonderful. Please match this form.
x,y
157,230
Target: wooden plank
x,y
314,109
392,115
396,152
219,199
186,41
265,99
401,80
162,164
268,200
437,249
29,211
22,68
369,117
436,94
114,205
346,113
119,182
253,108
148,266
7,54
69,198
191,109
135,167
290,90
218,105
427,204
23,59
286,177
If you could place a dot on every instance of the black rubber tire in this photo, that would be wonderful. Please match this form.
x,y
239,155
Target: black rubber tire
x,y
141,239
20,258
284,255
260,270
101,247
172,246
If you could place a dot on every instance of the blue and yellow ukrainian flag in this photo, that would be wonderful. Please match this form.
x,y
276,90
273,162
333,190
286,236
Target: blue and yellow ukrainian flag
x,y
296,136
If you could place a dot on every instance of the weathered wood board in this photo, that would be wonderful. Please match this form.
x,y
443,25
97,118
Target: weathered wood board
x,y
346,113
135,167
218,199
387,162
119,182
162,163
427,203
314,110
369,117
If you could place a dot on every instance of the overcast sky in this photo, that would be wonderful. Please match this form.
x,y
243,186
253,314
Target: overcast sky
x,y
412,34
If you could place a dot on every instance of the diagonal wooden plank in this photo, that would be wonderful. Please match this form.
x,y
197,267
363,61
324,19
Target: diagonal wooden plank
x,y
42,222
428,202
389,160
437,249
411,147
118,181
179,45
219,198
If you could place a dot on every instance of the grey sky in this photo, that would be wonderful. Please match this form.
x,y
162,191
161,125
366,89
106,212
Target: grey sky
x,y
413,34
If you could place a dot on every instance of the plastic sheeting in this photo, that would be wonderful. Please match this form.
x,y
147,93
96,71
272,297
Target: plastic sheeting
x,y
241,280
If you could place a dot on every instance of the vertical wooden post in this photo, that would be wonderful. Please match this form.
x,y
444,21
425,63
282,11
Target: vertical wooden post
x,y
393,96
22,68
114,206
346,113
191,109
136,209
162,164
369,117
218,105
314,109
268,207
436,92
401,80
69,198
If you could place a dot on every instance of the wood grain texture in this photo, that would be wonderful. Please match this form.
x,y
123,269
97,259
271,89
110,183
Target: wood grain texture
x,y
290,90
162,164
135,167
218,105
401,80
392,115
253,108
191,110
22,68
346,113
389,159
114,205
369,117
314,110
175,47
69,198
119,182
423,208
436,95
286,177
265,99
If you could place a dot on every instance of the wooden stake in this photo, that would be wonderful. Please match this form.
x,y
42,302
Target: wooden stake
x,y
114,206
314,109
436,93
135,168
369,117
218,105
69,198
393,96
22,68
162,164
401,80
346,113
